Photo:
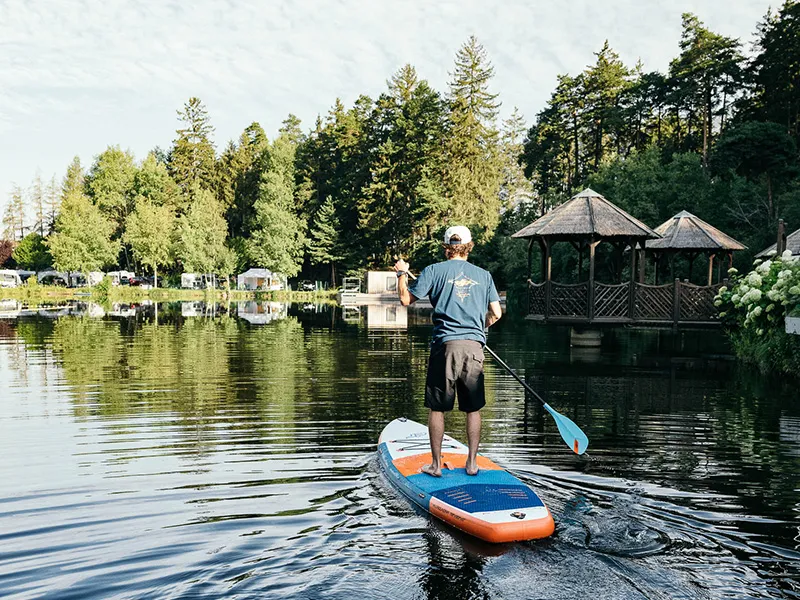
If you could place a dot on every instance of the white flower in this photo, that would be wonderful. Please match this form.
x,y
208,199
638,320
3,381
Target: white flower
x,y
760,332
795,290
764,267
757,262
735,298
787,254
733,271
754,279
722,290
786,273
722,314
770,307
757,311
718,302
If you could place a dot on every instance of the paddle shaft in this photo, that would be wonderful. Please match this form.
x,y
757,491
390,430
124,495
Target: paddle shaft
x,y
514,375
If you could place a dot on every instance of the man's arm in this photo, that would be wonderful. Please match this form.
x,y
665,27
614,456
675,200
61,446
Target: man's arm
x,y
406,297
494,314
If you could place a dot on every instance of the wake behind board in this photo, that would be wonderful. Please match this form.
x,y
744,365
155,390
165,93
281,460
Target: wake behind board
x,y
492,505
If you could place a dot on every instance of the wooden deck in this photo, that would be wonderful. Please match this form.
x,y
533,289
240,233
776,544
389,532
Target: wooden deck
x,y
631,303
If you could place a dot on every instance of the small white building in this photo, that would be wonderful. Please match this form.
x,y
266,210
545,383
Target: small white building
x,y
260,279
381,282
9,278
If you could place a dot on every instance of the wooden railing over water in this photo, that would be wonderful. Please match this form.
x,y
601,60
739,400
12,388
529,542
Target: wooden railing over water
x,y
675,303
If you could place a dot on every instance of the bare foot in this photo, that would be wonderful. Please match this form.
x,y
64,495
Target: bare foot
x,y
430,470
471,469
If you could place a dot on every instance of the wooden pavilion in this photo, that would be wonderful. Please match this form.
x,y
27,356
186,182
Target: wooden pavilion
x,y
585,221
690,236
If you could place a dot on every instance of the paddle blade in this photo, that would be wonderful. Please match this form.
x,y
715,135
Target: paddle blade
x,y
571,433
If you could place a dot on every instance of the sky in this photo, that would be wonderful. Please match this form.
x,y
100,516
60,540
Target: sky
x,y
79,75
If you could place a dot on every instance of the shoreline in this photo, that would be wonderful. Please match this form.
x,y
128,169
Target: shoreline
x,y
40,294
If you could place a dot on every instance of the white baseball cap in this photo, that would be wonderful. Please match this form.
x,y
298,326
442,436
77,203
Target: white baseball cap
x,y
458,231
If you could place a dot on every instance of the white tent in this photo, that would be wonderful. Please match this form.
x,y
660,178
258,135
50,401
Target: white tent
x,y
260,279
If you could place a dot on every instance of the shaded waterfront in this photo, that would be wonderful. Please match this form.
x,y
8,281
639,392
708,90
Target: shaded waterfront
x,y
186,450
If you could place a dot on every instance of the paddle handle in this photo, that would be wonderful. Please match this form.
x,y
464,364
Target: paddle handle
x,y
515,376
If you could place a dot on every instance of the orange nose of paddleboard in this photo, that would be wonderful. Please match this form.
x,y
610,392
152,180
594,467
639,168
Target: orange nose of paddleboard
x,y
575,447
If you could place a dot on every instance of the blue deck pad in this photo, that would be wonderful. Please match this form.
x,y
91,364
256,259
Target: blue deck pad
x,y
489,490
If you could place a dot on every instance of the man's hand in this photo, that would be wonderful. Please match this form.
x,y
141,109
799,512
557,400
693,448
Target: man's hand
x,y
401,265
405,296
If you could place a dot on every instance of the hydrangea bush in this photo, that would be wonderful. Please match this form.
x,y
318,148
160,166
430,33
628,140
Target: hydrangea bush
x,y
754,309
761,299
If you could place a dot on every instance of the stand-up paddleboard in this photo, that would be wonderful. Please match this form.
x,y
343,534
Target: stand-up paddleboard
x,y
492,505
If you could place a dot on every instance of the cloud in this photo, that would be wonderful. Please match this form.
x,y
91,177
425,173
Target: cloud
x,y
77,75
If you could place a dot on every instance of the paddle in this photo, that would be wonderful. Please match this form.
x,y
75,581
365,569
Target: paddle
x,y
572,435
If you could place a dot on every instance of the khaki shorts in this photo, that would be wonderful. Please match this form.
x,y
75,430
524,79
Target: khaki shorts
x,y
455,368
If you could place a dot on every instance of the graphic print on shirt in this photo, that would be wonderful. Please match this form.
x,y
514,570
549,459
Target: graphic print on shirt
x,y
463,285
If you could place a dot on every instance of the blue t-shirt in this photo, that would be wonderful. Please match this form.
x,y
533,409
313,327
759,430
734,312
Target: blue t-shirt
x,y
460,294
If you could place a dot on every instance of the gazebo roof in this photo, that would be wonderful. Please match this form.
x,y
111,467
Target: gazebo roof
x,y
685,231
586,215
792,243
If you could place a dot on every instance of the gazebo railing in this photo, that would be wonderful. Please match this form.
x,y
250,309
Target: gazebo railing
x,y
611,301
673,303
654,302
569,300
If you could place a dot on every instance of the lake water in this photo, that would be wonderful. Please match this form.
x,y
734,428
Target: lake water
x,y
194,451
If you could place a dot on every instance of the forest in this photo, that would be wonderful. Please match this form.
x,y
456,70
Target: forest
x,y
716,134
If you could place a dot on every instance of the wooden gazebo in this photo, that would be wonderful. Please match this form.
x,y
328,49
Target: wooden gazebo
x,y
585,221
690,236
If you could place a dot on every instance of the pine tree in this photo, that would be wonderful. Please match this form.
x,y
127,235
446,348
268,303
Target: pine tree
x,y
277,238
192,157
516,188
405,135
14,215
324,247
775,70
239,171
38,200
52,203
705,76
473,171
73,180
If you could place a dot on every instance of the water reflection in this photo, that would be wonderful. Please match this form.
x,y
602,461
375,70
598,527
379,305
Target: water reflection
x,y
192,449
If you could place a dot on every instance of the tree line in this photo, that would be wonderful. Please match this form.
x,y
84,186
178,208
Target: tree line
x,y
717,135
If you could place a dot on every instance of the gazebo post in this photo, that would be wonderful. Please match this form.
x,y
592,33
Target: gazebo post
x,y
530,257
710,268
632,288
592,245
642,260
546,271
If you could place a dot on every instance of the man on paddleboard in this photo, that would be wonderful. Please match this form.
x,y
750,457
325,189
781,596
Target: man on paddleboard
x,y
465,302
